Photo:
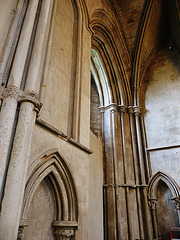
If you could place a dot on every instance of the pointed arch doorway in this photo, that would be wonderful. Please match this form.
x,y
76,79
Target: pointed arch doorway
x,y
163,192
50,203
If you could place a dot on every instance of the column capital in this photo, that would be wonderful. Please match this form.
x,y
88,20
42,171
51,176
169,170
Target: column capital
x,y
101,109
130,109
64,230
152,203
176,202
63,234
137,110
122,108
111,107
21,96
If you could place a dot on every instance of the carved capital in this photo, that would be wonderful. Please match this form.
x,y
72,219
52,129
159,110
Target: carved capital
x,y
137,110
21,96
111,107
63,234
130,110
64,230
10,92
177,202
30,96
152,203
101,109
122,108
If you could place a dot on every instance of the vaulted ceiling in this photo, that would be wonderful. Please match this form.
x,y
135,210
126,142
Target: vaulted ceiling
x,y
160,18
145,27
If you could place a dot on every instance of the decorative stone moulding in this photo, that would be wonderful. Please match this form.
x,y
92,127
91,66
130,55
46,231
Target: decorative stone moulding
x,y
21,96
130,109
122,108
152,203
126,185
64,230
137,110
113,107
176,202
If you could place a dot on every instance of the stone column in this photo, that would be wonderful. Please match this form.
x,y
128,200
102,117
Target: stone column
x,y
147,225
17,171
11,42
152,204
122,111
9,94
177,206
136,169
119,190
109,174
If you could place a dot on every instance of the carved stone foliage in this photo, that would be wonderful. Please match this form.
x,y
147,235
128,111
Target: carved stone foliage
x,y
63,234
177,202
152,203
64,230
21,96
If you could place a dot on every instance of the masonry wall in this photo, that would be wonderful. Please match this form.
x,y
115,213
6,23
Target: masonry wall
x,y
95,116
29,134
160,101
56,94
95,212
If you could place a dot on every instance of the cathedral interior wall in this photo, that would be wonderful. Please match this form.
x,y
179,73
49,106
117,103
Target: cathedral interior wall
x,y
95,212
57,86
160,100
111,169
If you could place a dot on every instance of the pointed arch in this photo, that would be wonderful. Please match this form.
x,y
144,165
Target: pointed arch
x,y
111,49
146,48
100,78
170,182
52,167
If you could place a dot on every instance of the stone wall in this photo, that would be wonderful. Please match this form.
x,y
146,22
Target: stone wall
x,y
59,179
95,116
160,101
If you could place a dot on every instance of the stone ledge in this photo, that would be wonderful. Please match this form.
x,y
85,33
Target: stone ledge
x,y
61,135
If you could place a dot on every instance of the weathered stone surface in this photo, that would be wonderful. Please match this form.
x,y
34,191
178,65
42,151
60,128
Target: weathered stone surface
x,y
58,179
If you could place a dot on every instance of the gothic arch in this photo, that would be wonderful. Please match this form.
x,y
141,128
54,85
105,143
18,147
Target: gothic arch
x,y
106,41
53,167
100,78
173,186
146,50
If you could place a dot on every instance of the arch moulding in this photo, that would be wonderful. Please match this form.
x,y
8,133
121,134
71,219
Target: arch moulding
x,y
51,165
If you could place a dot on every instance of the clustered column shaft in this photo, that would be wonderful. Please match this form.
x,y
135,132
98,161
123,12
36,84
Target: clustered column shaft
x,y
124,180
37,22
